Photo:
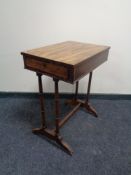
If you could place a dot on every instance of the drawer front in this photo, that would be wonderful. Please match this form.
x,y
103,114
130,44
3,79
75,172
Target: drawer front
x,y
47,68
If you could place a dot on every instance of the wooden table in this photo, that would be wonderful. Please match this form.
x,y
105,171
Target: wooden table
x,y
68,61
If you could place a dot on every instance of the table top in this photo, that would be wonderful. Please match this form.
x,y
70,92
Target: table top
x,y
68,61
69,52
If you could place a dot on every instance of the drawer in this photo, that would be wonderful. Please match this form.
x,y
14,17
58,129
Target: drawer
x,y
46,68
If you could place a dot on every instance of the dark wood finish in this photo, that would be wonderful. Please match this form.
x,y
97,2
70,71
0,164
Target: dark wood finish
x,y
89,87
90,64
57,107
47,68
52,135
67,61
55,133
76,91
48,133
83,104
68,116
43,121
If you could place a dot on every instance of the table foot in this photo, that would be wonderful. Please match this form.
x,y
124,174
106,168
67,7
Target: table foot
x,y
65,146
52,135
37,130
90,109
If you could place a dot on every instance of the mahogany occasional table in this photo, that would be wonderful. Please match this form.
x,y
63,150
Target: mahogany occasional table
x,y
67,61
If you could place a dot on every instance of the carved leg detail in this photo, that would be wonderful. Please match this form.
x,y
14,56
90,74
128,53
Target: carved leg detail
x,y
57,107
43,121
54,134
51,134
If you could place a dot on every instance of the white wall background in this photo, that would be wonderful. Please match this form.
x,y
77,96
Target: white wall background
x,y
26,24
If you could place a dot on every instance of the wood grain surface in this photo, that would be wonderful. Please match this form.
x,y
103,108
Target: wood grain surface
x,y
69,52
68,61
